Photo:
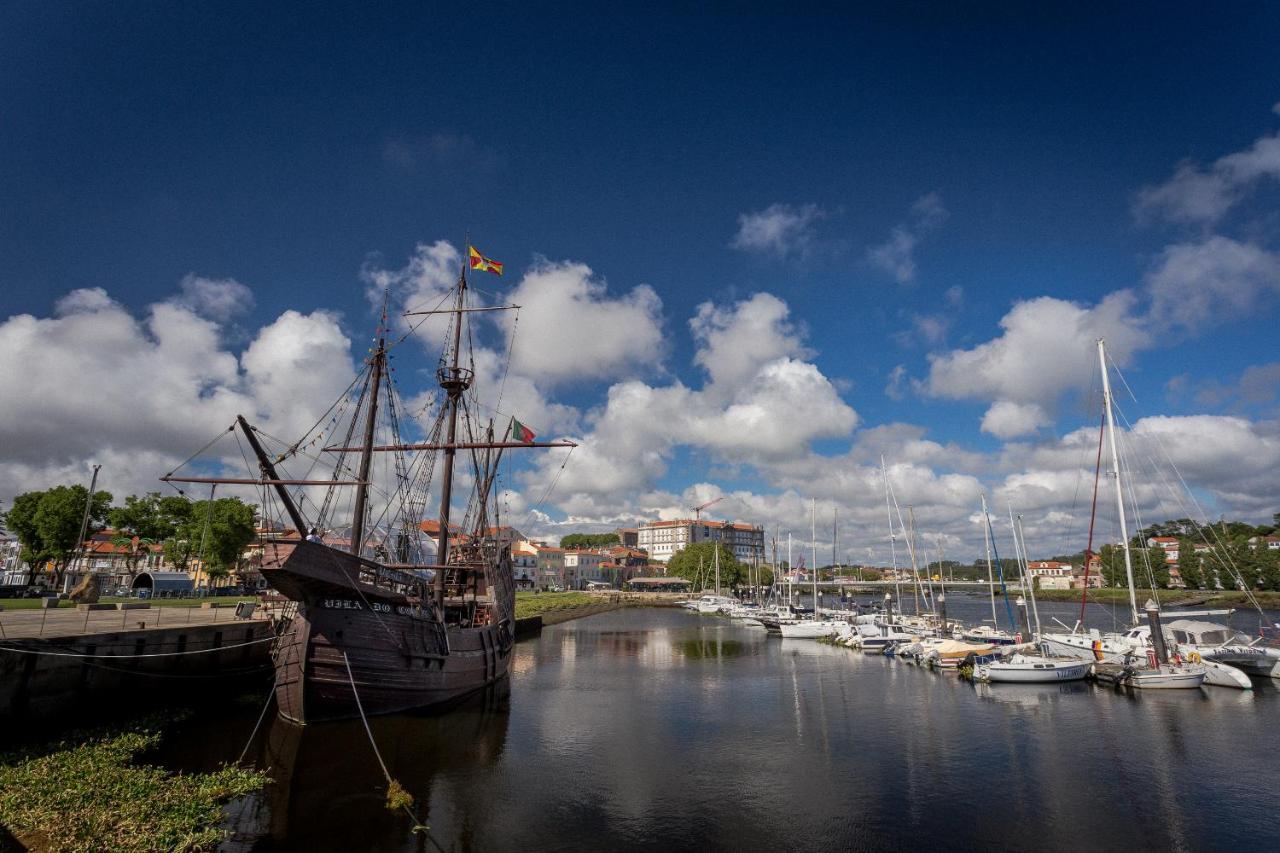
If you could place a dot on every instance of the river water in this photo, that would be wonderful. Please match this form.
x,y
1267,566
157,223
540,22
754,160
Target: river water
x,y
659,729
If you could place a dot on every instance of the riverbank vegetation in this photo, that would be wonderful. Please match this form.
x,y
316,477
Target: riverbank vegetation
x,y
1210,598
88,792
539,603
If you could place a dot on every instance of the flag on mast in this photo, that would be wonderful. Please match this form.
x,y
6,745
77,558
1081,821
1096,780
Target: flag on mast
x,y
480,262
520,432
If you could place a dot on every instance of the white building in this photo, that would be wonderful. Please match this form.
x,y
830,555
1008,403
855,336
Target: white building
x,y
662,539
524,565
13,571
581,567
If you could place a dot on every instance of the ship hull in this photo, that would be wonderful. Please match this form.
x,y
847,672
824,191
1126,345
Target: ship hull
x,y
356,647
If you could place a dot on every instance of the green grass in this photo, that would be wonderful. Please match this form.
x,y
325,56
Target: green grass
x,y
536,603
1167,596
86,792
34,603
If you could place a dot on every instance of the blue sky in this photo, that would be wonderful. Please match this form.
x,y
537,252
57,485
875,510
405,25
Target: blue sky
x,y
1006,149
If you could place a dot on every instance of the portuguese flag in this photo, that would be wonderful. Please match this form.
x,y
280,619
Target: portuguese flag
x,y
520,432
480,262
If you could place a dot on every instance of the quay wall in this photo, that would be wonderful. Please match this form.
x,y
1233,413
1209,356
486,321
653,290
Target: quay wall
x,y
43,677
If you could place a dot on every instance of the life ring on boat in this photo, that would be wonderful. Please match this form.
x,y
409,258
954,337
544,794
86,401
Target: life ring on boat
x,y
1194,657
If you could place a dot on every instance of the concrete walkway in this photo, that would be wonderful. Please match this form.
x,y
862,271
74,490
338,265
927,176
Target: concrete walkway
x,y
70,622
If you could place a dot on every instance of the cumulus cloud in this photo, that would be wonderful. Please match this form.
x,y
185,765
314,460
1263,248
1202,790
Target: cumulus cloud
x,y
779,229
735,341
571,328
1195,285
1045,348
1007,419
219,299
140,393
896,255
762,402
1229,459
1205,195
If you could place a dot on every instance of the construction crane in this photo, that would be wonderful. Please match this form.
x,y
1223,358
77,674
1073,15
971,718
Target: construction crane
x,y
697,510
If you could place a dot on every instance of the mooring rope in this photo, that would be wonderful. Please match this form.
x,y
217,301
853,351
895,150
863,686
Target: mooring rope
x,y
270,639
265,705
418,825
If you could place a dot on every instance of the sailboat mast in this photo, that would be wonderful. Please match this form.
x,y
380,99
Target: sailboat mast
x,y
893,538
1115,472
715,558
991,580
813,549
366,451
454,382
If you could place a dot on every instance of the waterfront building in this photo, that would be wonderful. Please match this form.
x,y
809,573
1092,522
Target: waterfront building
x,y
662,539
115,564
13,571
581,566
550,562
1168,544
524,565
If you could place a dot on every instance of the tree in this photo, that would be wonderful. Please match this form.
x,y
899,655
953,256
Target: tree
x,y
216,533
151,516
144,521
47,524
589,540
685,564
1112,559
1190,565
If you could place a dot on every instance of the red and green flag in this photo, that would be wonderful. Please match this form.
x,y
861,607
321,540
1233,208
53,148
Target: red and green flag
x,y
520,432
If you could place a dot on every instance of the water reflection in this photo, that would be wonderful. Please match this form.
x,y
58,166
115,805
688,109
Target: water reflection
x,y
659,730
328,791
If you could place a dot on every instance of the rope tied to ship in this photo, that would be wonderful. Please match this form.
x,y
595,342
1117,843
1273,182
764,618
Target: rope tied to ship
x,y
397,796
21,651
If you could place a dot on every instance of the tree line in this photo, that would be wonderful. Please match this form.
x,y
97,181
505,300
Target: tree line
x,y
47,527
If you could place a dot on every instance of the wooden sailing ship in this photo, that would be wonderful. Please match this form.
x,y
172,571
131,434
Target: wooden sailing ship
x,y
384,634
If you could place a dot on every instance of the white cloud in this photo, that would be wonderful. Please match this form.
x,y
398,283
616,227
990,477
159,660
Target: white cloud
x,y
733,342
762,403
140,394
896,256
1006,419
571,328
1205,195
218,299
1196,285
1046,347
779,229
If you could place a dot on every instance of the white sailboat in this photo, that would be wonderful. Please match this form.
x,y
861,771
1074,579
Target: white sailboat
x,y
816,627
1160,673
1029,668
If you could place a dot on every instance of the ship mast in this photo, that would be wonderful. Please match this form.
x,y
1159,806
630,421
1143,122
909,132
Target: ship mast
x,y
454,380
366,451
268,470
